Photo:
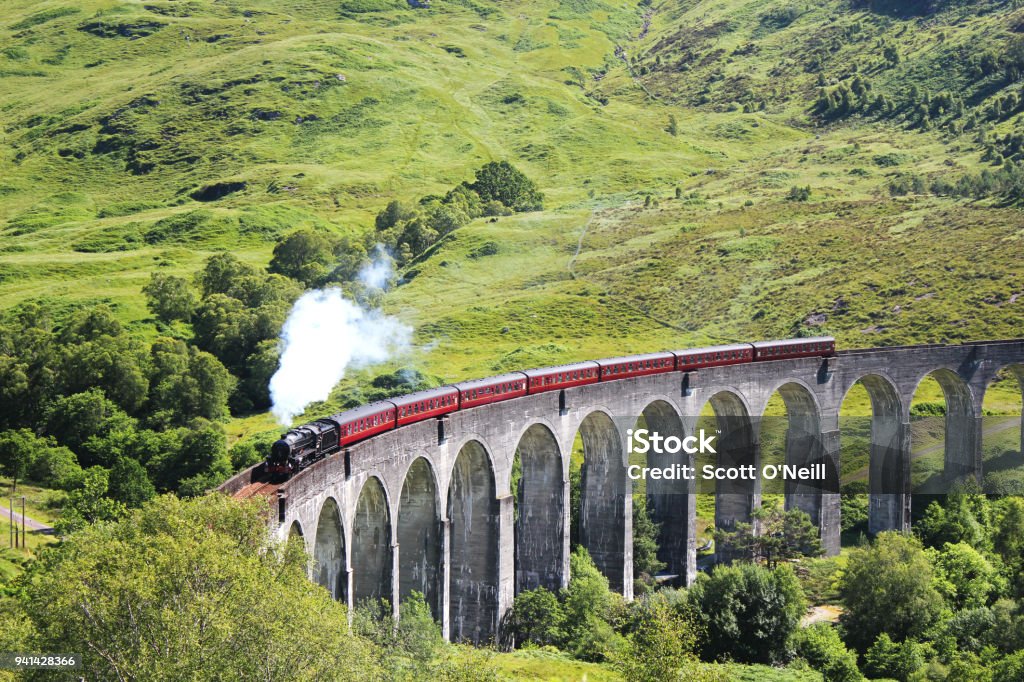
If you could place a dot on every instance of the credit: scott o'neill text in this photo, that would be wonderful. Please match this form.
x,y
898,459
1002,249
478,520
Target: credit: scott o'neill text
x,y
645,442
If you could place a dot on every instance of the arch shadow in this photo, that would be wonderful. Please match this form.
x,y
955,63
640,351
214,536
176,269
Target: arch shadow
x,y
473,516
671,503
329,562
371,545
604,493
889,458
419,536
540,494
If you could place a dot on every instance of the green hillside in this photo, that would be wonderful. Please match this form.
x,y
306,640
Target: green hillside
x,y
711,171
149,136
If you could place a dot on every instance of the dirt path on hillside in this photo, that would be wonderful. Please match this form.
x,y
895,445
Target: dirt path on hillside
x,y
1011,422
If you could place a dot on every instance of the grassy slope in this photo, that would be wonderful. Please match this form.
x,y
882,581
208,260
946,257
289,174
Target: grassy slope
x,y
106,136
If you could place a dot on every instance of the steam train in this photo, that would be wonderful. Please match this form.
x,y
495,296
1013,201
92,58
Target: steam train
x,y
300,447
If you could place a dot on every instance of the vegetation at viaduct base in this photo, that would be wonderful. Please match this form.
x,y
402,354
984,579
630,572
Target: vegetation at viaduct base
x,y
195,589
557,180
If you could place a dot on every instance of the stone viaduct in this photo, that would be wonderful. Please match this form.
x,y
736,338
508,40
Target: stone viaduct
x,y
431,507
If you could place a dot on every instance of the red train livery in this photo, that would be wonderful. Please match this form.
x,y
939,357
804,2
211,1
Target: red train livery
x,y
563,376
422,405
713,356
306,444
636,365
794,348
491,390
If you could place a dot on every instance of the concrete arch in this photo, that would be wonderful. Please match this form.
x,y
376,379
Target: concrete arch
x,y
540,523
605,502
736,446
962,427
889,460
473,516
329,563
419,536
499,470
371,544
295,530
672,503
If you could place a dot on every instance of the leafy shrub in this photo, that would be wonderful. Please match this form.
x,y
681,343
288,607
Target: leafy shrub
x,y
896,660
888,589
822,648
501,181
799,193
749,611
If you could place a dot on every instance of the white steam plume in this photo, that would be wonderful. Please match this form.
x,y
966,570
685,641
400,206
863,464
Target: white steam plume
x,y
324,335
377,273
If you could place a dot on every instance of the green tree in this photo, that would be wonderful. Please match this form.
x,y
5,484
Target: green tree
x,y
501,181
190,590
1010,669
19,450
85,422
113,362
29,366
955,522
897,660
749,611
349,257
202,461
645,542
261,365
444,218
465,200
823,649
129,483
221,272
90,324
968,667
417,634
304,256
889,588
965,577
799,193
673,125
169,297
251,450
587,607
660,643
1008,535
186,383
89,503
392,214
56,467
537,618
783,535
223,326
